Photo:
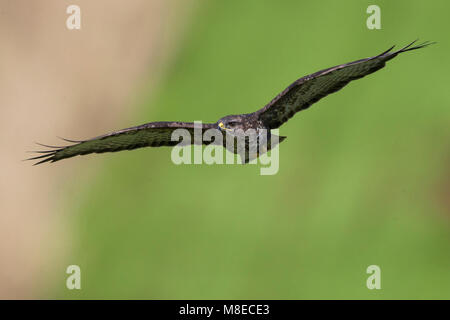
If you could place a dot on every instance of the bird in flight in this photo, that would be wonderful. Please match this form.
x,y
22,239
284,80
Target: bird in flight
x,y
299,96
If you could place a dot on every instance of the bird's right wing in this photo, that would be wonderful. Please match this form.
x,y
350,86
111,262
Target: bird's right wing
x,y
154,134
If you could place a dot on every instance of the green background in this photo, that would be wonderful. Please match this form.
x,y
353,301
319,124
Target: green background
x,y
364,174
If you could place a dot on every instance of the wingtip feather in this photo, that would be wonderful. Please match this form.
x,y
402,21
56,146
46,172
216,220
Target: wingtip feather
x,y
409,47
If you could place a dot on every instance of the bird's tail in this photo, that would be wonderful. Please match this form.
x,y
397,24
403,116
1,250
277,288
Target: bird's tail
x,y
248,156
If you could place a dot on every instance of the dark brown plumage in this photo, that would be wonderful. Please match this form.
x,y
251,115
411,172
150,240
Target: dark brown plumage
x,y
298,96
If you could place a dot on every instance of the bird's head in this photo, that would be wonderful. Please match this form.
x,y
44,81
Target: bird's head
x,y
230,123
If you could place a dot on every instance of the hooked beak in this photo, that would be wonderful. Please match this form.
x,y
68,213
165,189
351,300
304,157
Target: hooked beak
x,y
222,126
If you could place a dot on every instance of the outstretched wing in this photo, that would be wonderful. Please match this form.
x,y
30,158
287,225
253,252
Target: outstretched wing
x,y
307,90
154,134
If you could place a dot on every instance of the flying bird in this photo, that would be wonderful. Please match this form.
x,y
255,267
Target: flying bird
x,y
299,96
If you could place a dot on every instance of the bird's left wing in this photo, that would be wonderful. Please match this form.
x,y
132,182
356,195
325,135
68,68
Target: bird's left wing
x,y
154,134
307,90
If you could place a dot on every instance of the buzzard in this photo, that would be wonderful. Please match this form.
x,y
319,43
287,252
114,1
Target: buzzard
x,y
298,96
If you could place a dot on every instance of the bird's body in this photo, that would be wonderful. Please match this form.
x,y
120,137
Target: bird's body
x,y
298,96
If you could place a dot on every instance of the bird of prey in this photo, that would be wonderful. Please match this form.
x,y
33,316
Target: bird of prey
x,y
298,96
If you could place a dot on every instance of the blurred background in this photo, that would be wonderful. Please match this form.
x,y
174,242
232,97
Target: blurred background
x,y
364,175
